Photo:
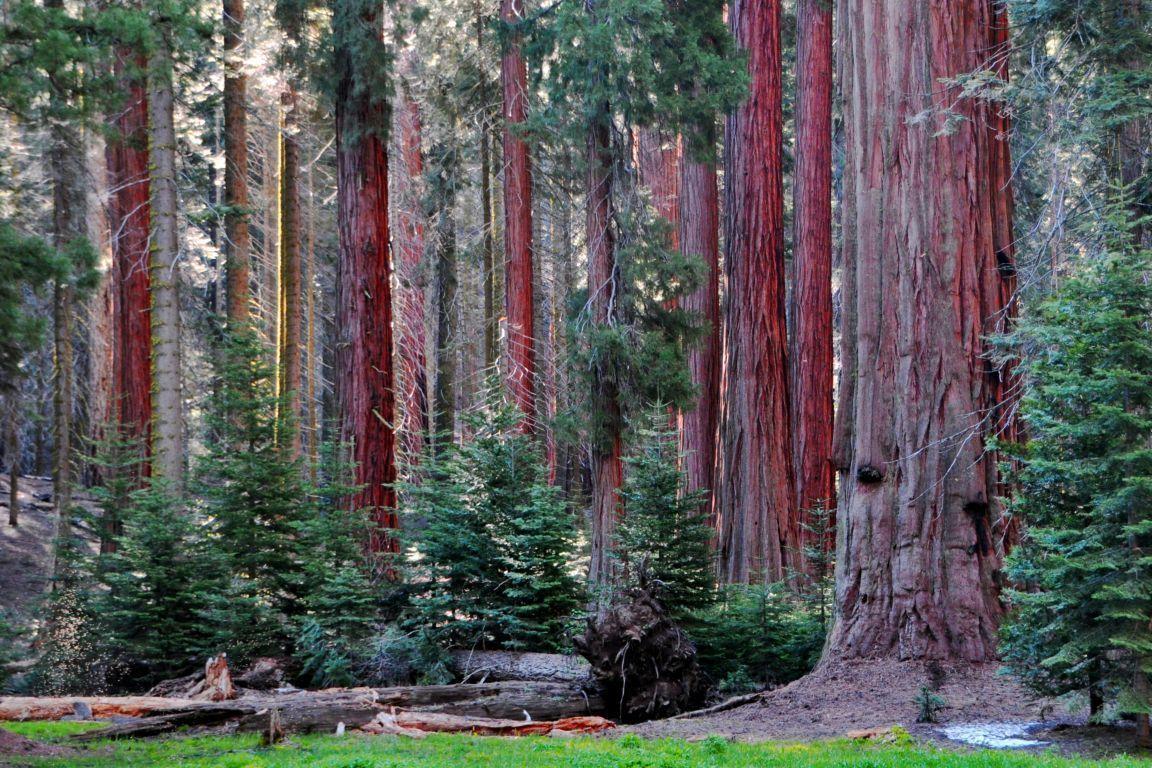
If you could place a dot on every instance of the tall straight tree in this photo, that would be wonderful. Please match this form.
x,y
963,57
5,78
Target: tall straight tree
x,y
291,299
364,271
129,216
237,241
812,260
759,530
917,561
519,296
164,267
699,234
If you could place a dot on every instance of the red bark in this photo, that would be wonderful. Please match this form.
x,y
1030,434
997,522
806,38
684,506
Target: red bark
x,y
659,172
291,364
409,240
917,563
519,299
364,300
129,207
759,531
699,234
812,261
606,449
237,242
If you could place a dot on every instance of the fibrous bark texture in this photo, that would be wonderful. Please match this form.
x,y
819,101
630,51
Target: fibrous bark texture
x,y
237,243
659,153
917,562
700,237
759,531
364,295
129,216
812,263
167,389
519,296
409,249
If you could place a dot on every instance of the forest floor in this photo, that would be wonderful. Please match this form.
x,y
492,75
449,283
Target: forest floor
x,y
439,751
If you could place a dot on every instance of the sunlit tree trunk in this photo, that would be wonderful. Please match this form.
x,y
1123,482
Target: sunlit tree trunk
x,y
759,531
237,243
917,568
364,298
519,294
812,261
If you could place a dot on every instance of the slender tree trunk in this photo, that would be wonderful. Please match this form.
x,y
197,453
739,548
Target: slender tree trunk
x,y
759,530
410,272
446,296
488,234
290,277
167,393
700,237
605,445
129,209
364,298
237,241
917,564
13,451
519,289
812,389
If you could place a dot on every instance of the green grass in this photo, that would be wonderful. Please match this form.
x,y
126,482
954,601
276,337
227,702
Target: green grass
x,y
471,752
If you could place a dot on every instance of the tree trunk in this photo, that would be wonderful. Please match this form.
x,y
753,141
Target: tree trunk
x,y
291,366
700,237
364,298
917,568
519,289
759,531
237,242
605,444
12,450
812,411
126,154
167,392
446,297
659,171
410,272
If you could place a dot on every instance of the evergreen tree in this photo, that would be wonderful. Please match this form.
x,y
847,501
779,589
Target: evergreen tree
x,y
26,263
497,542
1085,483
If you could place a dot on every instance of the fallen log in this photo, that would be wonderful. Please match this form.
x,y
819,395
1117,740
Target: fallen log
x,y
494,666
419,724
305,712
56,707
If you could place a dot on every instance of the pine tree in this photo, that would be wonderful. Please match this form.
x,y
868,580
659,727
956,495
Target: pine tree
x,y
1085,485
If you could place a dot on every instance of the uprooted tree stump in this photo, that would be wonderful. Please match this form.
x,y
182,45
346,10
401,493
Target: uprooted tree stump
x,y
643,662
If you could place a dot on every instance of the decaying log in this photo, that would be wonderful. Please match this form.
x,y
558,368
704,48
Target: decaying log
x,y
56,707
493,666
305,712
419,724
217,682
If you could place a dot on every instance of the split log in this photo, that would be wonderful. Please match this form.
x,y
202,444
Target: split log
x,y
493,666
56,707
217,682
306,712
419,724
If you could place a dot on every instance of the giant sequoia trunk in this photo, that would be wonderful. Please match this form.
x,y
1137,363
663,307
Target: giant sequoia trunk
x,y
364,294
409,249
237,242
812,260
519,299
759,531
700,237
167,385
918,564
129,216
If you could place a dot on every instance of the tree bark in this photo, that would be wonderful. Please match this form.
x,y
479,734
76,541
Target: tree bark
x,y
917,569
364,298
129,206
167,392
446,297
812,410
410,271
291,367
12,450
700,236
759,531
659,171
519,290
237,241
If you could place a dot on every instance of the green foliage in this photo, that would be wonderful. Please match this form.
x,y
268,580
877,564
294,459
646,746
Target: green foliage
x,y
663,539
756,636
496,542
26,263
361,69
1081,618
928,705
